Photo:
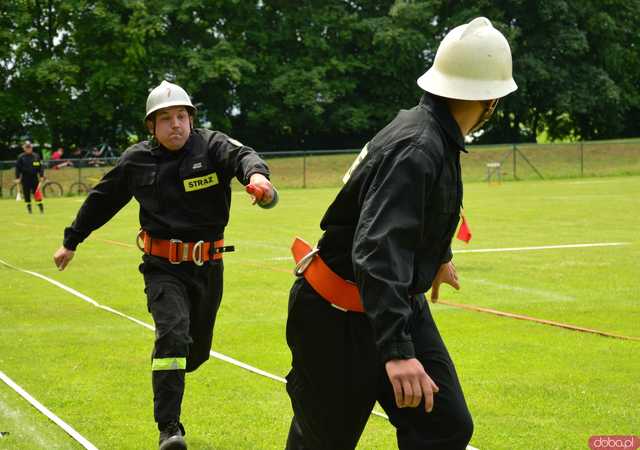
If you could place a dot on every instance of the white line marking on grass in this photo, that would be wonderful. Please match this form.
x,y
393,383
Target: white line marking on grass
x,y
215,354
542,247
51,416
87,299
511,249
19,421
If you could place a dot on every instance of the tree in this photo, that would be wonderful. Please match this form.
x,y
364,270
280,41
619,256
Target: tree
x,y
308,74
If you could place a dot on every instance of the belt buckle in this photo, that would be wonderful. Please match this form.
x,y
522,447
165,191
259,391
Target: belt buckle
x,y
176,248
197,249
304,262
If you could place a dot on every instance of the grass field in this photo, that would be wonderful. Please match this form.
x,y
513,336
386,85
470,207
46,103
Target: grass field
x,y
529,386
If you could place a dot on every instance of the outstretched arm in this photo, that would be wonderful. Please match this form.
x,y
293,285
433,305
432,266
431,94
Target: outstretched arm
x,y
110,195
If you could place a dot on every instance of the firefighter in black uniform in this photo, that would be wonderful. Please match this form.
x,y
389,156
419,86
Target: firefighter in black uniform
x,y
358,327
181,180
29,173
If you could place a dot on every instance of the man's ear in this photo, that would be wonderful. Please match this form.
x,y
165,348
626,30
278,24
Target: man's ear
x,y
150,127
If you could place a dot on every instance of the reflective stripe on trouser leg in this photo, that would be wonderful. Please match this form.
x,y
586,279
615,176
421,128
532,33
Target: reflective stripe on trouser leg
x,y
169,364
167,301
168,388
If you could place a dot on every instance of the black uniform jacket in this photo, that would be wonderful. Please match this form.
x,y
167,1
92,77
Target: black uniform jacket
x,y
184,194
390,227
29,166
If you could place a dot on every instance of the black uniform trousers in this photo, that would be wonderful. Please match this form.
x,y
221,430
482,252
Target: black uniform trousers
x,y
29,185
337,376
183,300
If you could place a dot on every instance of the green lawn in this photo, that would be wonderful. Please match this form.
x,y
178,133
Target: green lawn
x,y
527,385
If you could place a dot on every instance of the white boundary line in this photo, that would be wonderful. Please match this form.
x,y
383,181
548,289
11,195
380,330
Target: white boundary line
x,y
542,247
87,299
511,249
51,416
217,355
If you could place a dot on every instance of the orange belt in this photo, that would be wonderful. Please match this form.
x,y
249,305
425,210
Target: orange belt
x,y
342,294
177,251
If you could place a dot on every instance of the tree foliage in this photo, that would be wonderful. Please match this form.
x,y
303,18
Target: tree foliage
x,y
285,74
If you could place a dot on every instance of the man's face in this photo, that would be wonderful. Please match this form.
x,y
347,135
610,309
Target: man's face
x,y
172,127
28,148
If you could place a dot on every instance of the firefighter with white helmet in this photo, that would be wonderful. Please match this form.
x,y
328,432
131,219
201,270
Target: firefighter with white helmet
x,y
165,95
359,328
181,179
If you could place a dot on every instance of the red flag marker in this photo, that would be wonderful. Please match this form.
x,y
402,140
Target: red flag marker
x,y
464,233
256,191
38,194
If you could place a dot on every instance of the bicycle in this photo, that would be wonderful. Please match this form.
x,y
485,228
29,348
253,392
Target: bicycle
x,y
82,188
49,189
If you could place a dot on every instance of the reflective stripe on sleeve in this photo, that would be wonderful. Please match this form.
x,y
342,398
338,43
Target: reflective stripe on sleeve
x,y
169,364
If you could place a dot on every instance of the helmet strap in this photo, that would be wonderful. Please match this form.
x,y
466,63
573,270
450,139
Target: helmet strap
x,y
486,115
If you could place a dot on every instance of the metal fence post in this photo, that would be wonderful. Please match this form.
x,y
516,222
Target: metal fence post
x,y
304,169
515,152
581,159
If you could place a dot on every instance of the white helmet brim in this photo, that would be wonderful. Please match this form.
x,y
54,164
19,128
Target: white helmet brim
x,y
473,62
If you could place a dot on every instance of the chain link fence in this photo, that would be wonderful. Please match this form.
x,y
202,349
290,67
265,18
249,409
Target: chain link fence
x,y
310,169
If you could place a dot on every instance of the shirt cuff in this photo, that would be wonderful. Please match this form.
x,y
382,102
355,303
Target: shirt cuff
x,y
247,179
448,256
397,350
71,239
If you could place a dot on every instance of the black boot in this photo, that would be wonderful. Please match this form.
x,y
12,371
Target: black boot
x,y
41,208
171,437
29,208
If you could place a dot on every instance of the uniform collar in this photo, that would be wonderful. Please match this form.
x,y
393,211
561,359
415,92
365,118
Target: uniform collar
x,y
438,107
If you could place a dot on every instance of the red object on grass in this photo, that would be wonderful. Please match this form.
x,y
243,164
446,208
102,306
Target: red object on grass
x,y
256,191
38,194
464,233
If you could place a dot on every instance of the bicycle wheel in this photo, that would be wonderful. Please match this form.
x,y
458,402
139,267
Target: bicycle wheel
x,y
52,189
78,188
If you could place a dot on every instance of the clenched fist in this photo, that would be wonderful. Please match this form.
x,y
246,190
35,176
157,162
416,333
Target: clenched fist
x,y
62,257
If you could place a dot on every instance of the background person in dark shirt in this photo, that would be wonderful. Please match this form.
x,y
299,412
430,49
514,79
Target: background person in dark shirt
x,y
29,173
359,328
181,180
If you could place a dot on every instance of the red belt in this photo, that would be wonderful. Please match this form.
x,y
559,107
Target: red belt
x,y
177,251
341,293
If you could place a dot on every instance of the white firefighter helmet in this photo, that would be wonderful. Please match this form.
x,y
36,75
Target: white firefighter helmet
x,y
165,95
473,62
